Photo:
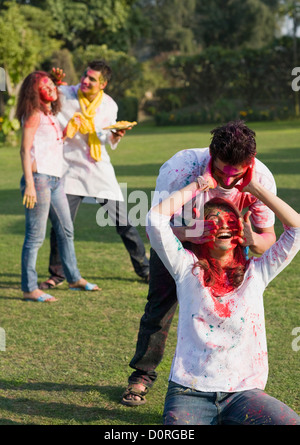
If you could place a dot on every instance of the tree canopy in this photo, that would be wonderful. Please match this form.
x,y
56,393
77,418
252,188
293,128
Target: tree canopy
x,y
234,24
139,36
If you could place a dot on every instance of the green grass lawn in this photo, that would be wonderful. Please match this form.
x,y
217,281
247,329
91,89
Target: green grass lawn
x,y
67,363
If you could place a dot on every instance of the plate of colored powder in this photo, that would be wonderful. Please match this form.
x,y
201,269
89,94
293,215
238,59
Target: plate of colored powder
x,y
121,125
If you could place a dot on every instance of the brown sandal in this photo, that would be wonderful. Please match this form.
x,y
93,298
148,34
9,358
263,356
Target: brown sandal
x,y
45,285
130,391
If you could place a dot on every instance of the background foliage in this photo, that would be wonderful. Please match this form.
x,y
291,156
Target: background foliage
x,y
182,62
187,62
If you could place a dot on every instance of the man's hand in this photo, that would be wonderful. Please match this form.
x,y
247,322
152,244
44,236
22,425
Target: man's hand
x,y
247,178
117,135
57,75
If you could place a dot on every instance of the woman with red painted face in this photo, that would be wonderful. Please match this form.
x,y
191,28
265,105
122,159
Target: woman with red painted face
x,y
42,191
220,366
230,158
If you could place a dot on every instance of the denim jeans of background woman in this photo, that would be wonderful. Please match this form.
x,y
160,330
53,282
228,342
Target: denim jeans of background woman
x,y
52,203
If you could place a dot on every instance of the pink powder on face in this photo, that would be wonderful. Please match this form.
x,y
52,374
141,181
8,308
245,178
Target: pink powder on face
x,y
230,171
228,174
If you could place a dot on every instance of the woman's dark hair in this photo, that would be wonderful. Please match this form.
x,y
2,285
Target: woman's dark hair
x,y
233,143
29,97
212,269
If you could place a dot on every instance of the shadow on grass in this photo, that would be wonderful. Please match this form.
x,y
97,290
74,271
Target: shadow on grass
x,y
70,412
87,230
89,277
282,162
85,226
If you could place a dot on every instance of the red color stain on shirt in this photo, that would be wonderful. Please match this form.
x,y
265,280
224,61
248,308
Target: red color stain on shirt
x,y
222,309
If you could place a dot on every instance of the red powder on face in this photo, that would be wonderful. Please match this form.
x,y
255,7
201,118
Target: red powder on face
x,y
47,90
222,273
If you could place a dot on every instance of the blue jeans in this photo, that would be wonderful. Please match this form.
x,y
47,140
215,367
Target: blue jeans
x,y
52,202
186,406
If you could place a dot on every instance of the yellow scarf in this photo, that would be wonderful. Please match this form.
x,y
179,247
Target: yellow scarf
x,y
84,122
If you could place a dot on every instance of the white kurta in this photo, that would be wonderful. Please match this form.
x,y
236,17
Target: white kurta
x,y
221,341
83,176
184,167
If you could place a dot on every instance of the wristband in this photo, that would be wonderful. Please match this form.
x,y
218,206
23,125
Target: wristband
x,y
202,183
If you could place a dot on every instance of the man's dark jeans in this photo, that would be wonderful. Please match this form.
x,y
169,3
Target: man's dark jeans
x,y
155,323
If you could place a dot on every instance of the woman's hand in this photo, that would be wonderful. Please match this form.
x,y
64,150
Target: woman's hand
x,y
206,182
28,133
191,234
29,199
73,126
248,235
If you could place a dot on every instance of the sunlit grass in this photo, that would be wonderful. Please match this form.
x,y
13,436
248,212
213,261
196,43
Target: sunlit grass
x,y
67,363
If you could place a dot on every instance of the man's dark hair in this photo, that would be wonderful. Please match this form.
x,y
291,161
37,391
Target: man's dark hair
x,y
233,143
103,67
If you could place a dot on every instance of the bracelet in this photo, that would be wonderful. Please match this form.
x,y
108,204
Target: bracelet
x,y
202,184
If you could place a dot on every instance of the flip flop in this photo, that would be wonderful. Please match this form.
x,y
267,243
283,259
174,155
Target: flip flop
x,y
87,287
44,298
